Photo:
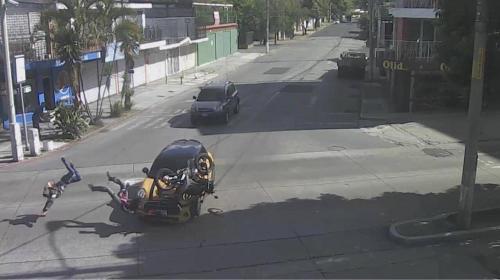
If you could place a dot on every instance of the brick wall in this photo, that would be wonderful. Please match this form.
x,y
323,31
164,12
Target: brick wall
x,y
21,22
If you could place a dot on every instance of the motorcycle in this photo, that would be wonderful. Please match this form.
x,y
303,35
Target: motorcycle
x,y
181,176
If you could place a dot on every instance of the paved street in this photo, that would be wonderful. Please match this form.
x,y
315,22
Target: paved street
x,y
305,192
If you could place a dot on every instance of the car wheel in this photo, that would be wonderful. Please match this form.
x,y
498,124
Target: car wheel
x,y
237,107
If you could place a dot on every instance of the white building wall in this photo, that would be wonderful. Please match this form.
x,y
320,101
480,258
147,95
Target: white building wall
x,y
158,62
156,66
140,70
188,57
90,78
116,80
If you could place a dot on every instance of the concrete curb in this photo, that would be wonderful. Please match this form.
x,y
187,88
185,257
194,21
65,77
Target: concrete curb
x,y
445,236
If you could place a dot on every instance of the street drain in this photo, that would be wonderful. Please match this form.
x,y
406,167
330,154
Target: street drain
x,y
336,148
436,152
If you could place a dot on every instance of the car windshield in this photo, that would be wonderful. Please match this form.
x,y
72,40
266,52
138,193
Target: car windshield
x,y
211,94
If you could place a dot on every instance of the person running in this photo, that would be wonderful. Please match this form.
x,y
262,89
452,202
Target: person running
x,y
54,190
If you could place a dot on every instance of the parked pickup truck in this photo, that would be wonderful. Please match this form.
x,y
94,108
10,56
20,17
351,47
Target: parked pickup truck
x,y
353,63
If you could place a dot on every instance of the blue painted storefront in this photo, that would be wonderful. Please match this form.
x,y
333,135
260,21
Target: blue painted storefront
x,y
49,86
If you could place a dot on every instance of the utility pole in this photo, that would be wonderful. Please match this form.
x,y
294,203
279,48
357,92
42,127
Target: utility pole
x,y
14,128
475,104
330,12
267,26
371,41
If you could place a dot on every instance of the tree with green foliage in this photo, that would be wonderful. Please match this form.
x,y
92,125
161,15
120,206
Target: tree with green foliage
x,y
69,31
129,34
81,26
456,35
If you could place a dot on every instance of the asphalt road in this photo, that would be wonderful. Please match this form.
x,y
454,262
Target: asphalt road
x,y
305,192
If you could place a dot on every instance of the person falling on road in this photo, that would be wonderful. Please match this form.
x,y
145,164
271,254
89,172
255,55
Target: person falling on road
x,y
54,190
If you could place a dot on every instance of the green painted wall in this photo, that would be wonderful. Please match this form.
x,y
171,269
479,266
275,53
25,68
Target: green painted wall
x,y
219,44
234,40
227,43
206,50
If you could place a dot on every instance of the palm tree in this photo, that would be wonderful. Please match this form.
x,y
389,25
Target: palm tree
x,y
129,34
68,30
105,17
80,26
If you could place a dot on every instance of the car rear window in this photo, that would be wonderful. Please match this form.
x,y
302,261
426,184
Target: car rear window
x,y
211,94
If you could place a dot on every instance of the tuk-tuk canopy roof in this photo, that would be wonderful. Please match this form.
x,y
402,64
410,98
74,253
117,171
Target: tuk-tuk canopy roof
x,y
176,155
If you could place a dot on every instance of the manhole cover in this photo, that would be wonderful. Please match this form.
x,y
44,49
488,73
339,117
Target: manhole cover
x,y
298,88
277,71
336,148
436,152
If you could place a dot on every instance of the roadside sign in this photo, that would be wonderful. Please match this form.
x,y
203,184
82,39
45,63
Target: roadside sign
x,y
444,68
19,69
394,65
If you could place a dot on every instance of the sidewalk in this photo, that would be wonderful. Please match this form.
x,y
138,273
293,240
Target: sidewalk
x,y
434,129
145,96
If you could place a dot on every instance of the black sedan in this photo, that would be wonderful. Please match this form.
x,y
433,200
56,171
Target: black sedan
x,y
217,100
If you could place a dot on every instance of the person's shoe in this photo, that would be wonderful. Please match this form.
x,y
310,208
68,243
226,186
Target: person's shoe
x,y
44,214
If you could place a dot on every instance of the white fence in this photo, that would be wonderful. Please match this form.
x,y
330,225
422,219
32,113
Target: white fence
x,y
411,50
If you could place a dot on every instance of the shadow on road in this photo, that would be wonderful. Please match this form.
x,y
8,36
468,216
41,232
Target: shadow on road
x,y
325,103
27,220
329,102
328,225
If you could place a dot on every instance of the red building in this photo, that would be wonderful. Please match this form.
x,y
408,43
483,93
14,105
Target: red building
x,y
412,50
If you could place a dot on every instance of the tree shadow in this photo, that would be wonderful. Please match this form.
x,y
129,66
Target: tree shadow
x,y
329,225
329,102
325,103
